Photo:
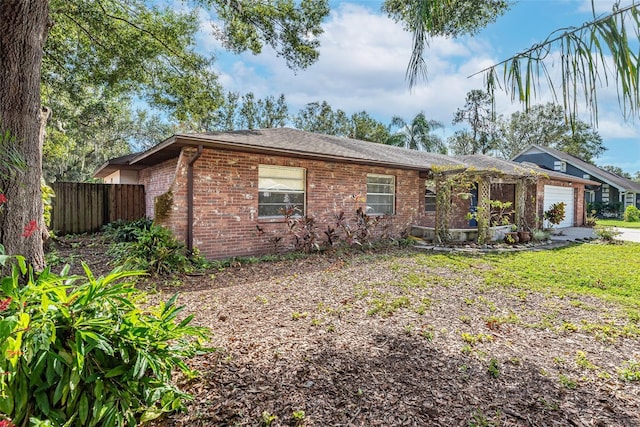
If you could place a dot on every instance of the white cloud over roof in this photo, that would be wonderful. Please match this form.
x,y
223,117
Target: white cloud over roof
x,y
363,58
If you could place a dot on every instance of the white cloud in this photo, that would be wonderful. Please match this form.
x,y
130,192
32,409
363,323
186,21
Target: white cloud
x,y
363,58
613,126
598,6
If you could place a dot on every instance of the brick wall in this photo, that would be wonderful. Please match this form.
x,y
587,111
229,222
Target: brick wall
x,y
226,198
157,180
459,211
504,193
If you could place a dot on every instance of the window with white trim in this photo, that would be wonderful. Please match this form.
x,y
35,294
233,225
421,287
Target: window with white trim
x,y
279,188
381,194
560,165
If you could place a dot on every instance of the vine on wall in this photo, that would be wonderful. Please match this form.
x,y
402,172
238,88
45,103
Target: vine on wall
x,y
163,204
450,182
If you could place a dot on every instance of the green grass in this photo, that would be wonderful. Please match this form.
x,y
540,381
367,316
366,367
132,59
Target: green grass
x,y
607,271
617,223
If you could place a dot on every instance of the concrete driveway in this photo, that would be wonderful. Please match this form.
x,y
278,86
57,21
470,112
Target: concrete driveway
x,y
585,233
629,234
572,233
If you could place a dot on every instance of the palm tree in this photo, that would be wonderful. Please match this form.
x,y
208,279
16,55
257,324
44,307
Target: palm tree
x,y
417,134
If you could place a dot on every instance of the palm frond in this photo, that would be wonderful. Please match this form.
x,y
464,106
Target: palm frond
x,y
598,53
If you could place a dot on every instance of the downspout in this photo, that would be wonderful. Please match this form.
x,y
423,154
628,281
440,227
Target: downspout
x,y
190,199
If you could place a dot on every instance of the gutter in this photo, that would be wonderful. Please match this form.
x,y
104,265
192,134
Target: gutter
x,y
190,199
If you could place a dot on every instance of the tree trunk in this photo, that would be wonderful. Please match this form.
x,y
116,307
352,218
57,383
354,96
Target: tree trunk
x,y
24,25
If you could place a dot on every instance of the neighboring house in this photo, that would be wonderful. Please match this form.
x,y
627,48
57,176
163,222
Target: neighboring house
x,y
125,175
613,194
224,192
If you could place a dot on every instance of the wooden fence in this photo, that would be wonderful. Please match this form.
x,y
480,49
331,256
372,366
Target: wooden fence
x,y
84,207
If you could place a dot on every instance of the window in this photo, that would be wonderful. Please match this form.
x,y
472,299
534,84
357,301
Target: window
x,y
605,193
589,196
430,196
381,194
560,165
280,187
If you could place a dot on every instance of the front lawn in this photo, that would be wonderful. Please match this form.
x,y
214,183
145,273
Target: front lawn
x,y
412,338
609,271
617,223
404,337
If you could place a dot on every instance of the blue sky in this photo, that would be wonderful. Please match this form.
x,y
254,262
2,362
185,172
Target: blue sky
x,y
363,57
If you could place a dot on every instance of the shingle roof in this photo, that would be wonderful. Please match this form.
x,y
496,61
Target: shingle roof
x,y
508,167
293,142
610,178
297,143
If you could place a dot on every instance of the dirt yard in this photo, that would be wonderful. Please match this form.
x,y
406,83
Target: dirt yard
x,y
394,339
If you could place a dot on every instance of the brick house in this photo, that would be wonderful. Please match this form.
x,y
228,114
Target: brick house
x,y
223,192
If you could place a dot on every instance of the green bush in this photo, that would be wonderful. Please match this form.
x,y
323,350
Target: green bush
x,y
153,249
78,351
632,214
126,231
606,234
605,210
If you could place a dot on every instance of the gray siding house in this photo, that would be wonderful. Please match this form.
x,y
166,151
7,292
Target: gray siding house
x,y
613,195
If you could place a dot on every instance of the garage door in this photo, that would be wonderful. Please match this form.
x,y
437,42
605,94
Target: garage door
x,y
554,194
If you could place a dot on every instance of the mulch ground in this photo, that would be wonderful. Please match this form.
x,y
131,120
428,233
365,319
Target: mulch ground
x,y
390,339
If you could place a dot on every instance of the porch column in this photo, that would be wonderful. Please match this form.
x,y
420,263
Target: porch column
x,y
484,209
520,202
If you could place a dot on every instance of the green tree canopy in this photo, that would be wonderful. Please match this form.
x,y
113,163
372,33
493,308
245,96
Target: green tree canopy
x,y
449,18
617,170
417,134
478,114
321,118
462,143
101,58
365,128
545,125
55,50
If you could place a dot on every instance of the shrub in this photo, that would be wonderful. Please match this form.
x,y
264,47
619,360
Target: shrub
x,y
126,231
78,350
555,214
362,232
153,249
606,234
591,219
304,229
632,214
539,235
606,210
